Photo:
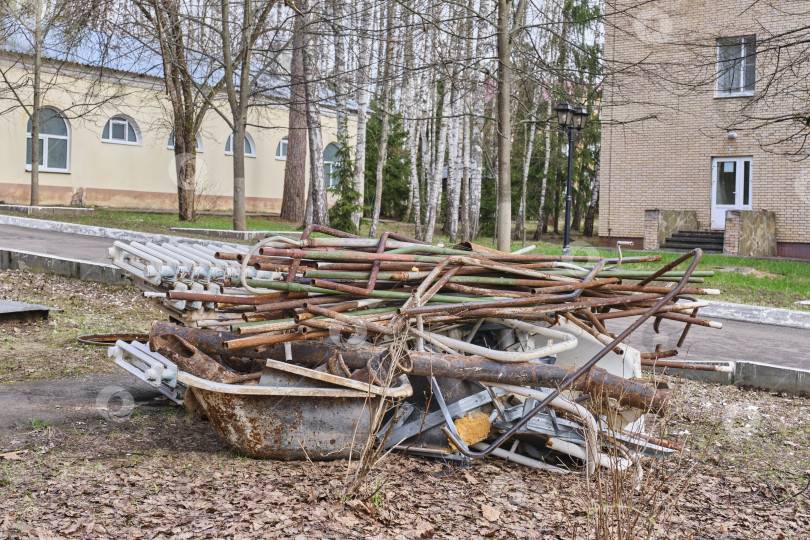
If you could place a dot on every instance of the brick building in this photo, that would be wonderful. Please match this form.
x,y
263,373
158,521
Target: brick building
x,y
700,127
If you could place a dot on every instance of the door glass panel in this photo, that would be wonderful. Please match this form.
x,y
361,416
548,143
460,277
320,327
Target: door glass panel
x,y
746,183
726,182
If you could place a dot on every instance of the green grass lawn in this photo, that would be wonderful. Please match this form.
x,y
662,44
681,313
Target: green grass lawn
x,y
163,222
774,282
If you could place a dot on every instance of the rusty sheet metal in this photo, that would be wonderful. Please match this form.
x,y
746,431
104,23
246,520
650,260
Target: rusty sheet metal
x,y
286,422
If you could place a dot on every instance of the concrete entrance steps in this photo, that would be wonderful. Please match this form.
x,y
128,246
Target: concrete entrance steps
x,y
687,240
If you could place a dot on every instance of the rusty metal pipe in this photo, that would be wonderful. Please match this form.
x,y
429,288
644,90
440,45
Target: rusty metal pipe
x,y
262,339
468,368
512,307
372,279
229,299
640,310
679,364
469,289
348,319
309,306
300,298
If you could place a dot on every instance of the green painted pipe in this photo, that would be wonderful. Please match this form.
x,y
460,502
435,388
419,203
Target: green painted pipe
x,y
370,311
393,295
435,249
627,274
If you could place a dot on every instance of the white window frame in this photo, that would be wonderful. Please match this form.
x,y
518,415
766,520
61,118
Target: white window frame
x,y
328,177
197,142
45,137
128,122
229,142
283,144
745,42
331,164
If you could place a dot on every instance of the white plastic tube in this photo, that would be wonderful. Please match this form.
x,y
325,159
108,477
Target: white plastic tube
x,y
568,343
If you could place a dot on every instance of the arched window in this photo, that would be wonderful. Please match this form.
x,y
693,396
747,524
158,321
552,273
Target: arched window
x,y
281,149
250,148
330,161
198,142
121,129
54,142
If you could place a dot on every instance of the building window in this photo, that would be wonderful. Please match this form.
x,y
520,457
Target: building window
x,y
54,142
736,65
250,148
330,161
198,142
121,130
281,149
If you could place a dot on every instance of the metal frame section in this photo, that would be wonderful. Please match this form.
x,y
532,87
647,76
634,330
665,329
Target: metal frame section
x,y
153,368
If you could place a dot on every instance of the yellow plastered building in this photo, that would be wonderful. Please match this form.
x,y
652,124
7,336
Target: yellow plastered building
x,y
107,141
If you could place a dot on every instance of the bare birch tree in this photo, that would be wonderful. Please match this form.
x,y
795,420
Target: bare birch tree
x,y
384,114
317,211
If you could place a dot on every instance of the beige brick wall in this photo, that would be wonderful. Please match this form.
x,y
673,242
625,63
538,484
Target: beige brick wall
x,y
662,124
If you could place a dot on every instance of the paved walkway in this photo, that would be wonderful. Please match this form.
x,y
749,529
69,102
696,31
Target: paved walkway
x,y
58,401
71,246
736,341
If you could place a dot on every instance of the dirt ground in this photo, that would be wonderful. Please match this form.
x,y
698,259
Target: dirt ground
x,y
30,351
163,473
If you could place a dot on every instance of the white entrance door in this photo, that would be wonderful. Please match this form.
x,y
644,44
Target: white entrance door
x,y
731,188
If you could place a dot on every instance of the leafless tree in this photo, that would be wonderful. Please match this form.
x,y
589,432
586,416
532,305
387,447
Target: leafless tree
x,y
294,197
39,40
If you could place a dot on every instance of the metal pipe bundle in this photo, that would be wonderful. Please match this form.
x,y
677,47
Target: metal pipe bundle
x,y
368,311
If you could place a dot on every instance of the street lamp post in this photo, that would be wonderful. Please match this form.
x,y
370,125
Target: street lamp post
x,y
572,120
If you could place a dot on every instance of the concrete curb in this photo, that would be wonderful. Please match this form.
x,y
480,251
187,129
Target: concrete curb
x,y
49,264
757,314
101,232
239,235
45,210
757,375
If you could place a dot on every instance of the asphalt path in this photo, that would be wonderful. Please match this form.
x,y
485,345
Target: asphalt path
x,y
95,396
67,245
736,341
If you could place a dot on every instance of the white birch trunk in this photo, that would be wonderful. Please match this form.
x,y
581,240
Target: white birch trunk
x,y
318,196
541,212
362,103
465,181
436,174
520,224
453,169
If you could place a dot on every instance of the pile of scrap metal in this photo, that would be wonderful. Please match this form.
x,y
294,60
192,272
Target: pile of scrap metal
x,y
290,346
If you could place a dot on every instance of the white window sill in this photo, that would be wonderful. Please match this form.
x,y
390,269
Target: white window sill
x,y
126,143
281,158
172,148
723,95
47,170
246,155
